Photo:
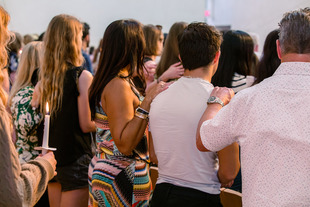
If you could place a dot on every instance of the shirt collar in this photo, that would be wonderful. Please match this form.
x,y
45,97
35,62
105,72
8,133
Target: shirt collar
x,y
293,68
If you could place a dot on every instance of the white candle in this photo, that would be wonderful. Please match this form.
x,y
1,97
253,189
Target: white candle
x,y
46,130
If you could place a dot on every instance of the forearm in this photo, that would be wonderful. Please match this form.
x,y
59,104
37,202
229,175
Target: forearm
x,y
131,135
33,180
209,113
229,164
134,130
153,156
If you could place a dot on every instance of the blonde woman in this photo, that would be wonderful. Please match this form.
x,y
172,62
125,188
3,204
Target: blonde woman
x,y
25,119
21,185
64,86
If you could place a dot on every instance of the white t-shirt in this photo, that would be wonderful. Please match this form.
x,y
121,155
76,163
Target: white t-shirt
x,y
270,121
174,117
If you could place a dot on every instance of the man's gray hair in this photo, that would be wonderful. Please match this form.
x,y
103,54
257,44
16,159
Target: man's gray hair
x,y
294,33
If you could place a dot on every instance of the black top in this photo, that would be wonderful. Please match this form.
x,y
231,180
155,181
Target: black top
x,y
65,132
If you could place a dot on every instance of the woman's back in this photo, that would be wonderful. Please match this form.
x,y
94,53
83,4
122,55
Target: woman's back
x,y
65,131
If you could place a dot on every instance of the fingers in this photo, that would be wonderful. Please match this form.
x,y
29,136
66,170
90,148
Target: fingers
x,y
225,94
177,64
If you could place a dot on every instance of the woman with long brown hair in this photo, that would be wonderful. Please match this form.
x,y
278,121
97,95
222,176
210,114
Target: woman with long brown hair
x,y
119,171
63,84
170,66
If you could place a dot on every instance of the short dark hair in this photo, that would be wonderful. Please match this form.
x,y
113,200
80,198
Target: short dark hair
x,y
86,29
198,45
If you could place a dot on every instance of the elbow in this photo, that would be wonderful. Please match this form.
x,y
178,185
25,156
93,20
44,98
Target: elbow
x,y
199,144
125,151
153,158
124,148
88,127
228,175
200,147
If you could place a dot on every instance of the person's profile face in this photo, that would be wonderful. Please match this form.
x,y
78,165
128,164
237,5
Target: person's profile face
x,y
160,44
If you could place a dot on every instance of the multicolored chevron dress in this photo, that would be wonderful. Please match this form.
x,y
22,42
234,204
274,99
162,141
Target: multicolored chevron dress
x,y
116,179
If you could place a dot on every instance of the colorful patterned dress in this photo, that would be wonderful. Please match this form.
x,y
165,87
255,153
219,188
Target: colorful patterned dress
x,y
116,179
25,121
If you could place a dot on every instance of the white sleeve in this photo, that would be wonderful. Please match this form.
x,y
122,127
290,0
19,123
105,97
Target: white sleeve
x,y
222,130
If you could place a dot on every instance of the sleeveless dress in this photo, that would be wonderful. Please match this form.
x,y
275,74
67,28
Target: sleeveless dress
x,y
116,179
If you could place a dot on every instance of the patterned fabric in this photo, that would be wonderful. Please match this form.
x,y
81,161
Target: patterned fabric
x,y
25,121
270,121
116,179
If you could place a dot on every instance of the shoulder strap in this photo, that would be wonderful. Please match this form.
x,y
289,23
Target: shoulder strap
x,y
78,73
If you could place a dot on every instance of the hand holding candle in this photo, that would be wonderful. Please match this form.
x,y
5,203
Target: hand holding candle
x,y
46,130
45,146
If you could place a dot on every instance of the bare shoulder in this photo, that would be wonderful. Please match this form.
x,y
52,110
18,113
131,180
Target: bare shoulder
x,y
85,76
117,86
117,91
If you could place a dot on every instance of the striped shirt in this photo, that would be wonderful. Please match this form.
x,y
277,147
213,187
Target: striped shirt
x,y
240,82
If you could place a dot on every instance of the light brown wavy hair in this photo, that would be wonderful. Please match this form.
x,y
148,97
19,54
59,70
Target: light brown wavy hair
x,y
152,35
29,61
62,51
4,40
170,53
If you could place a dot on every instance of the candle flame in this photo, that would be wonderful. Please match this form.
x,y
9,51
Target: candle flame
x,y
47,108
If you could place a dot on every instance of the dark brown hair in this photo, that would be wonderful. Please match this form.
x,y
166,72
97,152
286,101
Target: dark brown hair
x,y
171,49
122,45
269,61
237,51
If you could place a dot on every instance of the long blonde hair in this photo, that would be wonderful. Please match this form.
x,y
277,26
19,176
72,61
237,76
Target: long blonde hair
x,y
4,40
29,61
62,51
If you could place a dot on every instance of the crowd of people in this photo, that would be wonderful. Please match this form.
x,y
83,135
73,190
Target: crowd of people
x,y
197,103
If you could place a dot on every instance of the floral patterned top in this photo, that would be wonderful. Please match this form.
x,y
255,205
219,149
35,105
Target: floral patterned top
x,y
26,121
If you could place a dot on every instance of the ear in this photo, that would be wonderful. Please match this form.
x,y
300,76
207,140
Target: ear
x,y
279,49
217,57
180,57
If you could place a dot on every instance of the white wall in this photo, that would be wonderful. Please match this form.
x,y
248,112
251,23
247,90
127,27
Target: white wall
x,y
254,16
33,16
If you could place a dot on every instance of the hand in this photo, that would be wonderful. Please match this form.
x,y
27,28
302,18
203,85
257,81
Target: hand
x,y
51,159
223,93
227,185
149,70
155,89
174,71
